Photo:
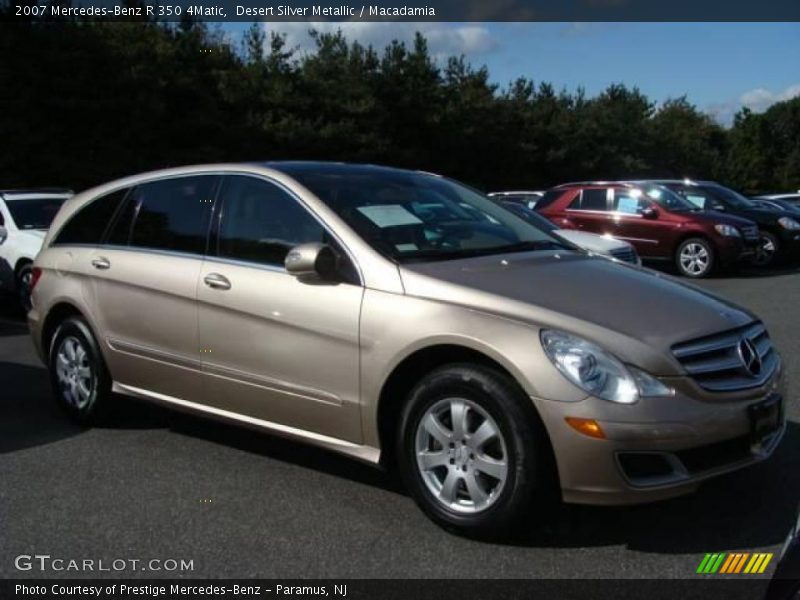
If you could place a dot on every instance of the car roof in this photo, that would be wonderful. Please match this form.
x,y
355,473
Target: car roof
x,y
512,193
573,184
299,167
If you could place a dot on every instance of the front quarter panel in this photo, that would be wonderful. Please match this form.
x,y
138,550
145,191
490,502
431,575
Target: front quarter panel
x,y
395,326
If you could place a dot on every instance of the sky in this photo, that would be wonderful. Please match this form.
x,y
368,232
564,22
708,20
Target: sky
x,y
720,67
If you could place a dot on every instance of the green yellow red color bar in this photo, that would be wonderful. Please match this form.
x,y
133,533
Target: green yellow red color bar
x,y
735,562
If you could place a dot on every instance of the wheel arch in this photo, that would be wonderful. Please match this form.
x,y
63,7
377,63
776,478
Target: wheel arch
x,y
55,316
413,367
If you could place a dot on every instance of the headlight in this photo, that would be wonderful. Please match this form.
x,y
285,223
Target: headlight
x,y
597,372
727,230
789,223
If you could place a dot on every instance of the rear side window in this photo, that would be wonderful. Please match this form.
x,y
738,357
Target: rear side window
x,y
171,214
591,199
260,222
548,198
88,225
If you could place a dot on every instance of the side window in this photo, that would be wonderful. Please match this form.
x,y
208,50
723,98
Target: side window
x,y
629,202
697,197
549,197
90,222
259,222
171,214
591,199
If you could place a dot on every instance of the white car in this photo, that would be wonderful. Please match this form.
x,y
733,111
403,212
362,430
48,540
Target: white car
x,y
599,244
25,216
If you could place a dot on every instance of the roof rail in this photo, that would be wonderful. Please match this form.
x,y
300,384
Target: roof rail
x,y
40,190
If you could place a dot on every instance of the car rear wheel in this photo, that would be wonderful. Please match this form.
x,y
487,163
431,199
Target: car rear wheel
x,y
24,280
471,452
695,258
767,249
78,374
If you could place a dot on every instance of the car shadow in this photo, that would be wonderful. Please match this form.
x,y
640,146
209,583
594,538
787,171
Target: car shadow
x,y
28,416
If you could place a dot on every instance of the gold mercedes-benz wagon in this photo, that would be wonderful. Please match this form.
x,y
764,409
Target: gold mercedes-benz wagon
x,y
402,318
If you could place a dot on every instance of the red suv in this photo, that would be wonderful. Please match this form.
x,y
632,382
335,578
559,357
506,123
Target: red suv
x,y
661,224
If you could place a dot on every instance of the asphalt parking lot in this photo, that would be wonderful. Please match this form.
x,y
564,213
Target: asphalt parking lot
x,y
242,504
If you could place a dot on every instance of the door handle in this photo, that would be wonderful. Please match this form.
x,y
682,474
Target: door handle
x,y
217,281
101,263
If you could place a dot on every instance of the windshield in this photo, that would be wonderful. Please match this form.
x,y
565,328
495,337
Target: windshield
x,y
415,216
530,216
733,198
34,213
668,199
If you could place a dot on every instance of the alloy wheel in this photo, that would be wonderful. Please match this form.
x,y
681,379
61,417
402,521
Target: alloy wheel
x,y
74,371
461,455
765,251
694,259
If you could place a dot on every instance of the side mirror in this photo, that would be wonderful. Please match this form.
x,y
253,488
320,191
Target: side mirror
x,y
3,234
312,261
650,212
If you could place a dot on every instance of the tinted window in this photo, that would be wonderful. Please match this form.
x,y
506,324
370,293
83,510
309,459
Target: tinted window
x,y
89,223
260,222
172,214
697,197
548,198
591,200
531,216
34,213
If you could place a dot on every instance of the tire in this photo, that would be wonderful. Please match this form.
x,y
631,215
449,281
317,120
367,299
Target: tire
x,y
767,250
695,258
449,485
23,286
78,375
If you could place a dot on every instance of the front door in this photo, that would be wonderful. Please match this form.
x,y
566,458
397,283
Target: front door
x,y
276,348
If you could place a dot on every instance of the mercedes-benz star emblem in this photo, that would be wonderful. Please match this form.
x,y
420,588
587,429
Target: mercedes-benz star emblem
x,y
748,354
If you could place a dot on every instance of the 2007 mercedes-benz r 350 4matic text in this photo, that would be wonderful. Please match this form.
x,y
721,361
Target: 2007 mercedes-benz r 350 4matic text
x,y
400,316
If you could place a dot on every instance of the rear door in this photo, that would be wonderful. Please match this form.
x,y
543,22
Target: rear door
x,y
143,285
590,210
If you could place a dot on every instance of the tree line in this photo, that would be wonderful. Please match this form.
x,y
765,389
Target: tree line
x,y
82,102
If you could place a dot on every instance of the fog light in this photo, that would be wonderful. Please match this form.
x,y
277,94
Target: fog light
x,y
588,427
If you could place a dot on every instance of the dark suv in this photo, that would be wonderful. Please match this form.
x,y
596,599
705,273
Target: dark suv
x,y
660,224
779,229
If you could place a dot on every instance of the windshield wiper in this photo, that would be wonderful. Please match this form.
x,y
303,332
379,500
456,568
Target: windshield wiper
x,y
528,246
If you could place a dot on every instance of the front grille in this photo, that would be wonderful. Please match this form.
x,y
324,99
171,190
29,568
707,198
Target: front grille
x,y
625,254
749,232
717,362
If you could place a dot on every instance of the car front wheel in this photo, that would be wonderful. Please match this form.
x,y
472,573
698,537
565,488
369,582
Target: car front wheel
x,y
471,451
767,249
695,258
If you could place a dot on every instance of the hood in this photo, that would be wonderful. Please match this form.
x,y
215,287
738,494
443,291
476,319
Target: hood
x,y
766,216
636,313
591,241
714,217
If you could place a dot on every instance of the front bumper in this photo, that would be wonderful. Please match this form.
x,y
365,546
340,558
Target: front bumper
x,y
732,249
658,448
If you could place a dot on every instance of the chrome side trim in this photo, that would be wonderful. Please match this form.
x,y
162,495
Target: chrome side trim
x,y
268,383
179,360
366,454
